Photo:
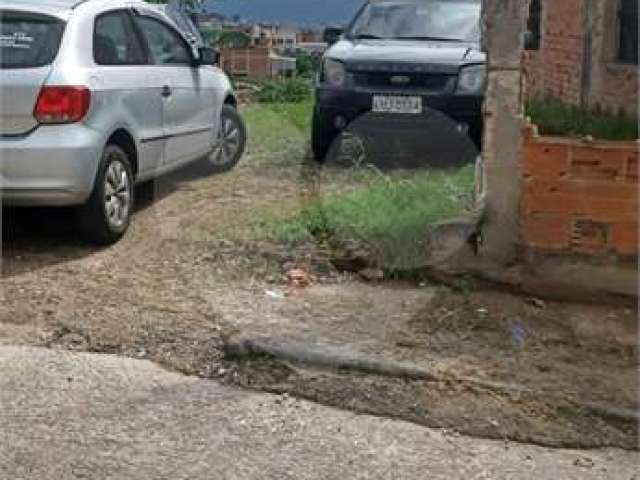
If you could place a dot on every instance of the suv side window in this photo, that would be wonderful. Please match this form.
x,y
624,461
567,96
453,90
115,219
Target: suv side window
x,y
115,41
166,45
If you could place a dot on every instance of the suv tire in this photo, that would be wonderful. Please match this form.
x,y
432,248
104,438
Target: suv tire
x,y
105,217
322,136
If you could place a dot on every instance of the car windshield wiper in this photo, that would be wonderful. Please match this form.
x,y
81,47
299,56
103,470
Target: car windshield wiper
x,y
434,39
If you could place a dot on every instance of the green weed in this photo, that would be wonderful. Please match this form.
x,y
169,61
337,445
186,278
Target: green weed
x,y
556,118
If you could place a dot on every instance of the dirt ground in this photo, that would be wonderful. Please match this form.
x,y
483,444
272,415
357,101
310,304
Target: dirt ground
x,y
191,272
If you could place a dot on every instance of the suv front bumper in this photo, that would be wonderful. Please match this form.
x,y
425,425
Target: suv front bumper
x,y
338,107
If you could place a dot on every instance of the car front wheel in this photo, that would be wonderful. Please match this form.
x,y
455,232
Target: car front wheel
x,y
322,136
106,216
230,141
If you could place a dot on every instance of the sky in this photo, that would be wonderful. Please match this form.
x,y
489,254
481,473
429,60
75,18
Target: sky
x,y
317,12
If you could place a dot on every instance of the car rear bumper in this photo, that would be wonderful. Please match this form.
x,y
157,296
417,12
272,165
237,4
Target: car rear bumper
x,y
52,166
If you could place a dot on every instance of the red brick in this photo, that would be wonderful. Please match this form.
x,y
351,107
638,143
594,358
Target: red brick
x,y
625,238
597,209
546,232
588,236
598,189
610,210
598,163
545,160
632,168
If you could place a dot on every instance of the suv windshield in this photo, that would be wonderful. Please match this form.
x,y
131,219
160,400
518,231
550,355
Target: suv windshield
x,y
28,40
445,20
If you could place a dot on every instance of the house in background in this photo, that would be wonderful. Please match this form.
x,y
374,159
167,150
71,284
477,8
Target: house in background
x,y
208,19
251,49
282,65
310,35
257,62
584,52
273,36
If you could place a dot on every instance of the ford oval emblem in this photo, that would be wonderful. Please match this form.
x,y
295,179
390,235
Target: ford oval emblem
x,y
400,80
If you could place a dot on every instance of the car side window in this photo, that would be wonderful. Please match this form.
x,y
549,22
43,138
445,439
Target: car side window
x,y
166,45
115,41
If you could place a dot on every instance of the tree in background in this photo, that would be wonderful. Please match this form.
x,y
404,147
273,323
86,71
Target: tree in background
x,y
210,35
232,39
306,64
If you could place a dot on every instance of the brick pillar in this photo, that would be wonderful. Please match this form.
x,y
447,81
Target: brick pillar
x,y
504,24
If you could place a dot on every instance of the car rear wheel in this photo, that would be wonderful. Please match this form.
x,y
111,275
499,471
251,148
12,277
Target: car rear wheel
x,y
230,141
106,216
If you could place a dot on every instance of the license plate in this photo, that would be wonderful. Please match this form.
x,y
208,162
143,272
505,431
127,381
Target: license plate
x,y
397,104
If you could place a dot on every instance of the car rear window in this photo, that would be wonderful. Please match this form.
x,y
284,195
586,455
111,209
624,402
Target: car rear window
x,y
28,40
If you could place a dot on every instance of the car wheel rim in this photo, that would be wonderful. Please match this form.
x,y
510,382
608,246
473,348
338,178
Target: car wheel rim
x,y
117,194
227,142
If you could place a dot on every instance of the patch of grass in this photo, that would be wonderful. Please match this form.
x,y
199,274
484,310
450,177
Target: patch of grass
x,y
556,118
385,210
278,133
298,114
291,90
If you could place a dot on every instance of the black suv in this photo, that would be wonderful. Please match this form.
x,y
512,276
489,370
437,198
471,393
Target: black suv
x,y
403,57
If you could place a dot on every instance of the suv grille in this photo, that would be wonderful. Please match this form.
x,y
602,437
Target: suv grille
x,y
433,82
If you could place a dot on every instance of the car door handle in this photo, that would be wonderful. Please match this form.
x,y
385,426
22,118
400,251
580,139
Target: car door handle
x,y
166,91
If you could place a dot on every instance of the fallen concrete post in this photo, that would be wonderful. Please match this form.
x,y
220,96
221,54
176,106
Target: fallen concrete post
x,y
323,356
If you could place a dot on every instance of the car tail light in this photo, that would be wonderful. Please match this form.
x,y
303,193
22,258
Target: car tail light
x,y
62,104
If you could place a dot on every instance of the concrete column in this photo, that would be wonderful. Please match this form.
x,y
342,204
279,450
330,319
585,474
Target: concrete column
x,y
504,26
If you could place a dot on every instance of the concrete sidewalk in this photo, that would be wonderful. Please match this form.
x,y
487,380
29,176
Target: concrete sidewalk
x,y
72,416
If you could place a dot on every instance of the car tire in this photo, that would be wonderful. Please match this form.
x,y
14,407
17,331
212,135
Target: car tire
x,y
232,140
105,217
322,136
476,133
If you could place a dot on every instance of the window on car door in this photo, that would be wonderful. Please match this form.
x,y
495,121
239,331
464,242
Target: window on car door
x,y
115,41
167,48
188,118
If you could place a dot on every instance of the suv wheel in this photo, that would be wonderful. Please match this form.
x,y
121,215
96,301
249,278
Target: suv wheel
x,y
105,217
322,136
230,142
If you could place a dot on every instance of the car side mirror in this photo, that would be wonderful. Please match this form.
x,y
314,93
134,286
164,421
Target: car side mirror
x,y
208,56
332,35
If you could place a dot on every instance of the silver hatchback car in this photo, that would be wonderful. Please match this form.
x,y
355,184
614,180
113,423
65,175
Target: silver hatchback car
x,y
98,95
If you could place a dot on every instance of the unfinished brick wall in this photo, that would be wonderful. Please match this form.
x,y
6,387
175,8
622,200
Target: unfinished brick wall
x,y
556,68
613,85
615,88
579,197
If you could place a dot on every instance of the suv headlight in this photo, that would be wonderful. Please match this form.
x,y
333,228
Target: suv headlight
x,y
334,73
472,80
